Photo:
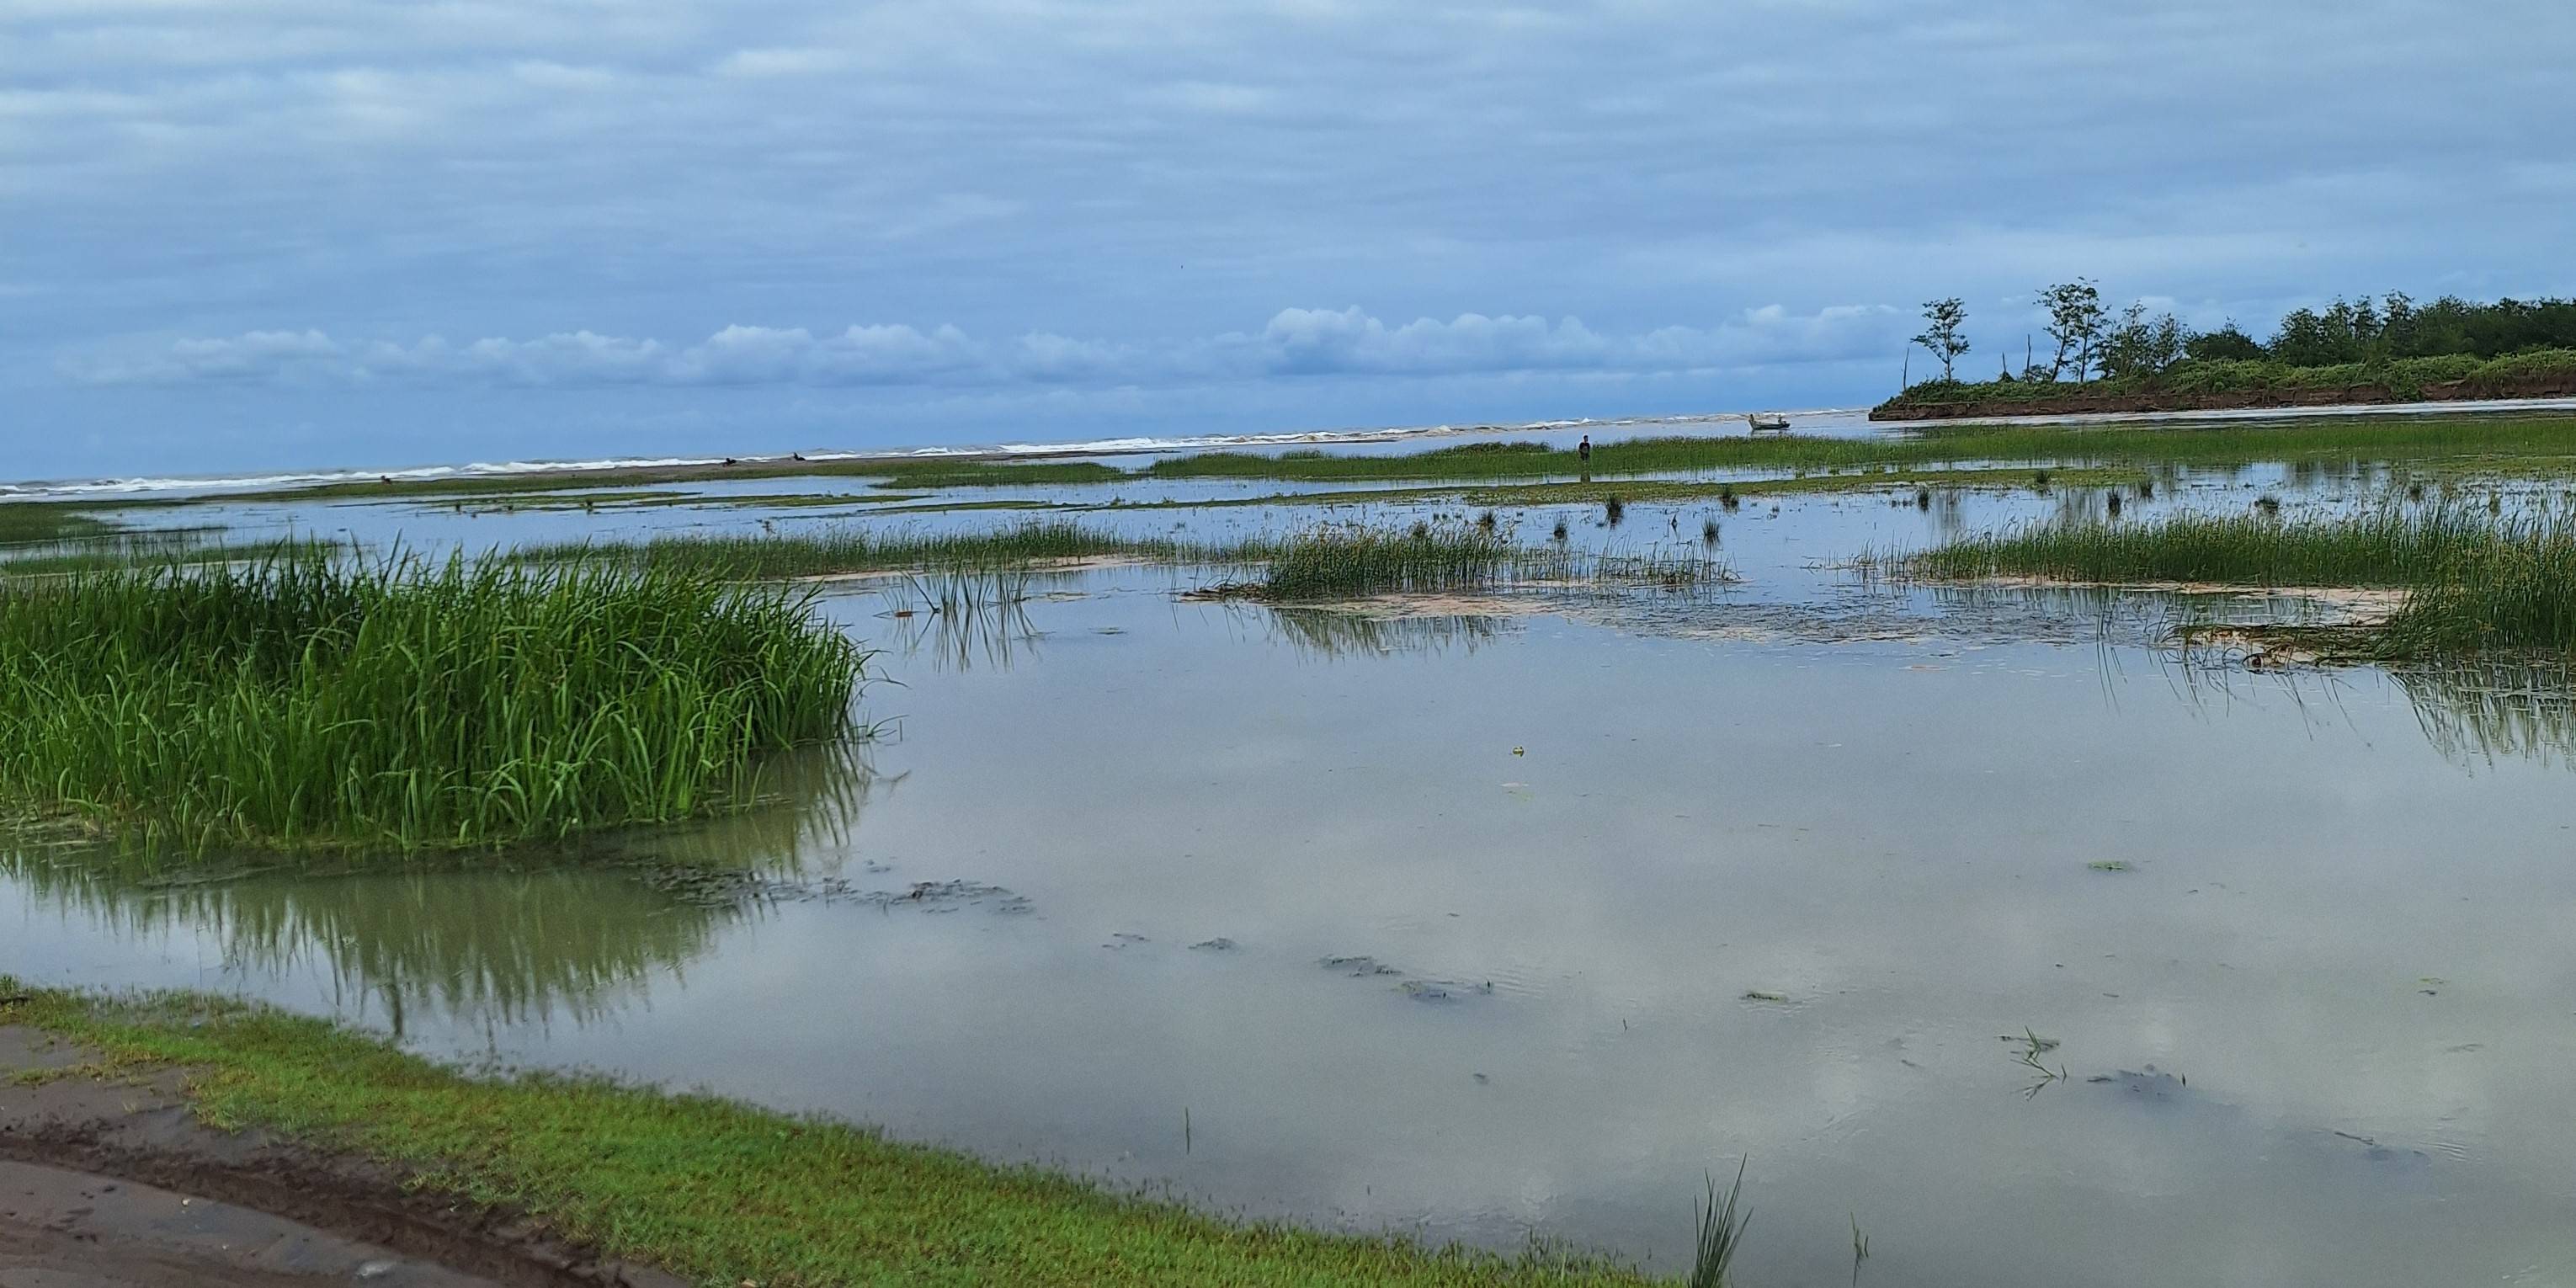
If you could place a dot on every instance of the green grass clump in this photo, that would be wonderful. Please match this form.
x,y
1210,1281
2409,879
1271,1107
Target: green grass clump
x,y
37,522
1332,562
155,549
306,701
2262,381
851,549
2474,581
2518,593
723,1193
2386,547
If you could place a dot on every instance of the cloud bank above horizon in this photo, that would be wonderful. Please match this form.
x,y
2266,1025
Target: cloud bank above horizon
x,y
274,231
1296,342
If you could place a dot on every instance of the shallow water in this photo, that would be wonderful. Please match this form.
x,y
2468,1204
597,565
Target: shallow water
x,y
1520,921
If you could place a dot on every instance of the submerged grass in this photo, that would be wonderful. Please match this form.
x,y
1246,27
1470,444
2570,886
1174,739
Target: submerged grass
x,y
722,1193
303,701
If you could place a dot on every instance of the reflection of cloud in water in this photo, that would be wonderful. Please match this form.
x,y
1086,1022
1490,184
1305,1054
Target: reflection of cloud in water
x,y
507,939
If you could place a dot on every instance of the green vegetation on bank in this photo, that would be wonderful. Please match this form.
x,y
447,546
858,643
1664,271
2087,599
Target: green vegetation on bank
x,y
2461,439
2473,582
2385,350
719,1192
2263,381
309,701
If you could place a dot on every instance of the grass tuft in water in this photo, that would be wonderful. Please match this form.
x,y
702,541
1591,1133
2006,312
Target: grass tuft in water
x,y
304,701
1337,562
853,549
2384,547
1721,1232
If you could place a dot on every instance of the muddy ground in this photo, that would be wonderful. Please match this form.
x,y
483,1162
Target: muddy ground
x,y
112,1182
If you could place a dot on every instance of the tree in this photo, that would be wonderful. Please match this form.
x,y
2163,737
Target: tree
x,y
2076,322
1941,322
2140,347
2226,344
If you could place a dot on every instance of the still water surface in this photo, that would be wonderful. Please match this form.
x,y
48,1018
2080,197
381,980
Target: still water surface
x,y
1516,923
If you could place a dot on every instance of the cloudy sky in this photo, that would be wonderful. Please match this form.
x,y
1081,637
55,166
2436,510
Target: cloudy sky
x,y
245,234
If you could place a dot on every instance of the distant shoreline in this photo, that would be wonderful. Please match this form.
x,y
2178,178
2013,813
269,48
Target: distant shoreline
x,y
2074,402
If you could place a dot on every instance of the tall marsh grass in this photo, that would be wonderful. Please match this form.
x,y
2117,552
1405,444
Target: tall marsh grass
x,y
1332,562
2382,547
2475,580
849,549
304,701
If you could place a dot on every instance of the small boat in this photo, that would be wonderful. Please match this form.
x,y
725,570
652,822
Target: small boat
x,y
1766,422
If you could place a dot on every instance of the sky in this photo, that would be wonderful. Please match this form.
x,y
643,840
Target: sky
x,y
241,235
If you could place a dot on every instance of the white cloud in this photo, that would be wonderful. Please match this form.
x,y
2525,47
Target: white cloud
x,y
1296,342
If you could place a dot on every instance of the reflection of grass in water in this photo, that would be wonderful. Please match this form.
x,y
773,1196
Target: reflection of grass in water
x,y
1326,632
956,617
537,935
2495,710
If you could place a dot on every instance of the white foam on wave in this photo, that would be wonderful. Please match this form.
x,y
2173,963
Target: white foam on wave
x,y
176,486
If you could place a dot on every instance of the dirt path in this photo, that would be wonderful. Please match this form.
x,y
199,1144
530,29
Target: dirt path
x,y
115,1184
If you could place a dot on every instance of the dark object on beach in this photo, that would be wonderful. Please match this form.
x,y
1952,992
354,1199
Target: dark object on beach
x,y
731,461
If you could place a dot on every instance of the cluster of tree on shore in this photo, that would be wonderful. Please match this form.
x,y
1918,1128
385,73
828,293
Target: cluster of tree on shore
x,y
2089,342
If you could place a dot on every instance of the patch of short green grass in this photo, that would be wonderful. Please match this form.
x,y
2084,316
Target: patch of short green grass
x,y
723,1193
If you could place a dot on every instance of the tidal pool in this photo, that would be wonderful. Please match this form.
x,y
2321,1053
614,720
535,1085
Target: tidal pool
x,y
1509,924
1516,915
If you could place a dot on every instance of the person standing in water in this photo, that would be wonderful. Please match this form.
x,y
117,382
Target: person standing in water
x,y
1584,449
